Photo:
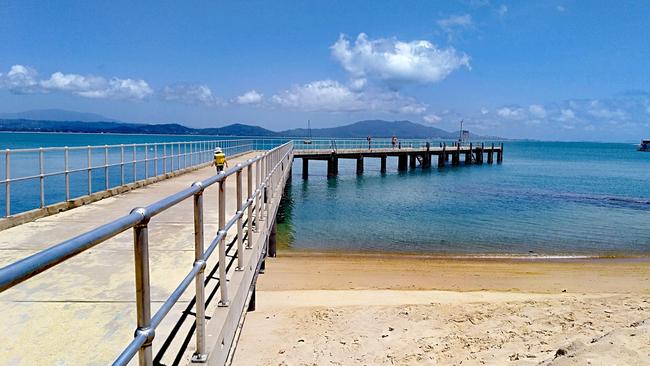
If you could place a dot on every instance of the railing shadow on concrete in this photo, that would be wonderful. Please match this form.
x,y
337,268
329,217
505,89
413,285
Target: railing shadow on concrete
x,y
271,171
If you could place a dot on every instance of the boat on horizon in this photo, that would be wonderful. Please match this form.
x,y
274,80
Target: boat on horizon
x,y
644,145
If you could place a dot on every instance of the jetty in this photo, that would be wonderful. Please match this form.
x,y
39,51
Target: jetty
x,y
159,267
409,155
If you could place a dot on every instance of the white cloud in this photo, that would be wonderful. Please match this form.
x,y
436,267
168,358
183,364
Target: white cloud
x,y
510,112
560,8
250,97
19,80
484,111
537,111
431,118
414,108
332,96
120,89
321,95
566,115
396,62
454,24
602,112
189,94
72,82
22,79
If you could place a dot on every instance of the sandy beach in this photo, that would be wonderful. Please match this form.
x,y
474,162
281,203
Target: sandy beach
x,y
333,309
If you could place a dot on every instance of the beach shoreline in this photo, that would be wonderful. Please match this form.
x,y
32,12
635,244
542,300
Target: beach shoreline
x,y
531,256
317,308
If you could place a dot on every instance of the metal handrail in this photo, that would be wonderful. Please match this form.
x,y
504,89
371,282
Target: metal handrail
x,y
167,157
270,165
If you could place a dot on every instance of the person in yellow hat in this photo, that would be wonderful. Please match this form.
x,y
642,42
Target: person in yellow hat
x,y
219,159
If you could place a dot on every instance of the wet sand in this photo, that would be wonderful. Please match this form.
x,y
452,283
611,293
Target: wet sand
x,y
335,309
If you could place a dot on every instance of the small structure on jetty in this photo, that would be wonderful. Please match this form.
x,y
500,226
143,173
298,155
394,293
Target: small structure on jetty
x,y
408,155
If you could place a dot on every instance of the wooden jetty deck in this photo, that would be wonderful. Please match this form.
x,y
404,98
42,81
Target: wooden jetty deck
x,y
407,156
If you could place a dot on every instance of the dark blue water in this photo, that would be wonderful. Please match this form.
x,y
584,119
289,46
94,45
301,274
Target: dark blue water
x,y
546,198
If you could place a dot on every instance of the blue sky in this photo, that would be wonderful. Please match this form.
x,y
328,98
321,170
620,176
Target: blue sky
x,y
557,70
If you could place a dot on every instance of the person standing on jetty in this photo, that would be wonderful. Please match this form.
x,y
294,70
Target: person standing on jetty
x,y
219,159
369,141
394,141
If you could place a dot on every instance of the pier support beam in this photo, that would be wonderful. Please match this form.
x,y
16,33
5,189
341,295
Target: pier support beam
x,y
412,161
305,168
468,155
402,162
272,240
332,166
491,155
455,158
382,167
500,155
426,160
360,165
442,157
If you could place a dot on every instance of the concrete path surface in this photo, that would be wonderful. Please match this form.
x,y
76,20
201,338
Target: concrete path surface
x,y
83,312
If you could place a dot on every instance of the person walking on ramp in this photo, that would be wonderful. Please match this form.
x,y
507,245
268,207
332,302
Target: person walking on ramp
x,y
219,159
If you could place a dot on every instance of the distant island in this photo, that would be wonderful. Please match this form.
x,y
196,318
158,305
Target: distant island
x,y
74,122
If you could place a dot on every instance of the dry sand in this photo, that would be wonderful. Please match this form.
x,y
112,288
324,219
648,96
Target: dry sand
x,y
327,309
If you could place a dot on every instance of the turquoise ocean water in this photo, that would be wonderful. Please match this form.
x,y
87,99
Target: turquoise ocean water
x,y
547,198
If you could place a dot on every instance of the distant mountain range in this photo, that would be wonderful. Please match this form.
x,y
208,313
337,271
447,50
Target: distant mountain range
x,y
93,123
57,115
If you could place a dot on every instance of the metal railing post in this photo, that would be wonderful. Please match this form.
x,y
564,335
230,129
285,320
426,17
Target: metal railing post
x,y
66,166
155,160
260,194
146,161
7,183
106,166
269,182
178,156
135,164
90,172
171,158
164,158
223,281
143,288
41,177
249,194
122,164
200,354
240,228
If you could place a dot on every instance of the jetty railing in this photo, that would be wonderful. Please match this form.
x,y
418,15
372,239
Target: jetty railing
x,y
374,143
270,168
100,168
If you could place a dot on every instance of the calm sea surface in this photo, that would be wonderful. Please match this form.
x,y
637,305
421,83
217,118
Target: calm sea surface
x,y
546,198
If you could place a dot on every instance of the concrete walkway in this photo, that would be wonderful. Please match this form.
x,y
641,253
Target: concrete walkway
x,y
82,312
